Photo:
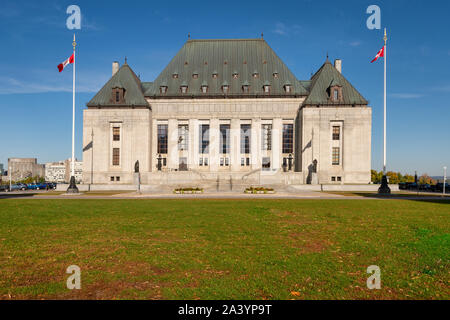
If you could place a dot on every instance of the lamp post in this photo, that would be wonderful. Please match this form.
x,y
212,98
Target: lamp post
x,y
445,178
10,176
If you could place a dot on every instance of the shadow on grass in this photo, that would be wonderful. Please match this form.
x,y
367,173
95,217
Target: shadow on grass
x,y
436,198
16,195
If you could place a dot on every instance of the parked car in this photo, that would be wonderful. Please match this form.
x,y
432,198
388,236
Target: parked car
x,y
38,186
4,187
412,186
52,185
16,187
439,187
403,186
425,187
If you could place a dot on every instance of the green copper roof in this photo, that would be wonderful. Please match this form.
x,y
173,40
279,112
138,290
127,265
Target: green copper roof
x,y
124,78
326,77
242,57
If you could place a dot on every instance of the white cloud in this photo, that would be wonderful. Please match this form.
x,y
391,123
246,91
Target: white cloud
x,y
280,28
355,43
286,30
406,95
445,88
10,85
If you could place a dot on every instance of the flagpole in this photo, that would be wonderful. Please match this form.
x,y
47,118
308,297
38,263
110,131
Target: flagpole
x,y
72,187
384,132
384,188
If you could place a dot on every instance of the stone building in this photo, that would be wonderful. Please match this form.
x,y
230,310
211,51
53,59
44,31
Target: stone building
x,y
55,172
227,111
22,168
78,170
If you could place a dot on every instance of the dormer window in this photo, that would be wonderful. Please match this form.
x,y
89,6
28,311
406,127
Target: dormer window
x,y
175,75
245,86
235,75
275,74
266,87
163,89
184,87
287,87
255,74
225,87
215,75
195,75
335,93
117,96
204,87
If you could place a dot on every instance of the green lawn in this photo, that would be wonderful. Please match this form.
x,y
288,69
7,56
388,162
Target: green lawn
x,y
224,249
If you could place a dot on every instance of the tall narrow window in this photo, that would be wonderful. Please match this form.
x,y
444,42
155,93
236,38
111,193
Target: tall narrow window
x,y
162,138
117,96
245,138
336,95
224,138
336,132
183,137
116,133
116,157
335,156
204,139
288,138
266,138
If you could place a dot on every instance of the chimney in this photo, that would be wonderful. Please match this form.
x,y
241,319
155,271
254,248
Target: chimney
x,y
115,67
338,65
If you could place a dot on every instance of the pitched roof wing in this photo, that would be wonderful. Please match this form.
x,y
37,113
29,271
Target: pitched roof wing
x,y
124,78
326,77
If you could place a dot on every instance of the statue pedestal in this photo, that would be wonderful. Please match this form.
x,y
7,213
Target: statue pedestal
x,y
314,178
137,181
384,188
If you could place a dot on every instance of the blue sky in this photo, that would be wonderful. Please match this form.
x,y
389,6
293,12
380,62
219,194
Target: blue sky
x,y
36,102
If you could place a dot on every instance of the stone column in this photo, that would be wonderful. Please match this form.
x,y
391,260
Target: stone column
x,y
193,144
235,152
154,146
214,142
277,136
256,161
172,161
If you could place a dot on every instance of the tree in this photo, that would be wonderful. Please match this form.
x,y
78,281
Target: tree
x,y
393,177
426,179
376,176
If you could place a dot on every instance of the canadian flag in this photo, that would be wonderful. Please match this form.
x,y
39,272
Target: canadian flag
x,y
61,66
379,54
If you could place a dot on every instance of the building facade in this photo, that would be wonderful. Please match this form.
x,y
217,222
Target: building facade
x,y
227,110
60,171
55,172
22,168
78,170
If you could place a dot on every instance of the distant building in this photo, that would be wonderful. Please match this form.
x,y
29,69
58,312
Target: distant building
x,y
78,170
55,172
22,168
2,170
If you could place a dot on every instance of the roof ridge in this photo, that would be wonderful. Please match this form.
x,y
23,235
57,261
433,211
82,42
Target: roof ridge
x,y
231,39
